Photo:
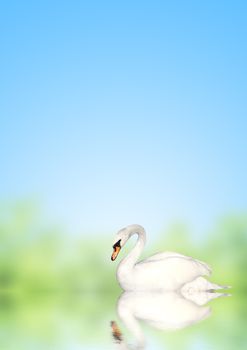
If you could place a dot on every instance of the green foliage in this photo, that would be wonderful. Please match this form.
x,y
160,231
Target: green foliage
x,y
46,276
36,258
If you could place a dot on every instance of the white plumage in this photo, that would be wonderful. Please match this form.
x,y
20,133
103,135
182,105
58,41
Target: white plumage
x,y
168,271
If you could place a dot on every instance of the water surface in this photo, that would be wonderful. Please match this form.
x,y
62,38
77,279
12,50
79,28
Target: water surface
x,y
83,321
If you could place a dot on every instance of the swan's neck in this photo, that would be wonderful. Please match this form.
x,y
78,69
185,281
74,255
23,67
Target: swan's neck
x,y
134,254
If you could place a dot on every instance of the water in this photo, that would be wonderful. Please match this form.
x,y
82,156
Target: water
x,y
83,321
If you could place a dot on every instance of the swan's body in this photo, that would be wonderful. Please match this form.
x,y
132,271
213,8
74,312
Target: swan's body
x,y
166,271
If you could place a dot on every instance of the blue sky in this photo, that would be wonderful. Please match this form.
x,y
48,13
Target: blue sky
x,y
118,113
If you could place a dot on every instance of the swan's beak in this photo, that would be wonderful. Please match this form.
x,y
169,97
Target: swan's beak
x,y
115,252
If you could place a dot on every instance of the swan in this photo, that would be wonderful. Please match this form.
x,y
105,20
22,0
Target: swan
x,y
167,271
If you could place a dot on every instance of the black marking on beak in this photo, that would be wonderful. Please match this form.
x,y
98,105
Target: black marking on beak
x,y
117,244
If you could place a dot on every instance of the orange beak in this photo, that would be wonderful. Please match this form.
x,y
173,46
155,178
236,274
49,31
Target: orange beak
x,y
115,252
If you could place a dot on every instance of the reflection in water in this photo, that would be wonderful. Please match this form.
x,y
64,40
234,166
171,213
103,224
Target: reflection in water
x,y
164,311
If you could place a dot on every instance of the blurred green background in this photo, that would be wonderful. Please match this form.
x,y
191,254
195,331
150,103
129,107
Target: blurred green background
x,y
59,292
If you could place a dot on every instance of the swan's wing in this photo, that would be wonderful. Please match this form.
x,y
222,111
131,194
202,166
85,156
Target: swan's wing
x,y
164,255
167,255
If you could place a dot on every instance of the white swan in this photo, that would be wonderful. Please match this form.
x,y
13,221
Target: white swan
x,y
166,271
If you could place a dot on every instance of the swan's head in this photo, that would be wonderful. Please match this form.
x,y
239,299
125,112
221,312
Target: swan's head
x,y
122,237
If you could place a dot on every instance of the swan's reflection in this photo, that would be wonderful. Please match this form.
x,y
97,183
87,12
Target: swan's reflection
x,y
163,311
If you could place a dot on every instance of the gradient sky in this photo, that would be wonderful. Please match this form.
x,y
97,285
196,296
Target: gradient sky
x,y
125,112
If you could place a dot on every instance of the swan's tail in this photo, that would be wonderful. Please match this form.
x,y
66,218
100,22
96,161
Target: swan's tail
x,y
202,298
214,287
201,291
201,284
